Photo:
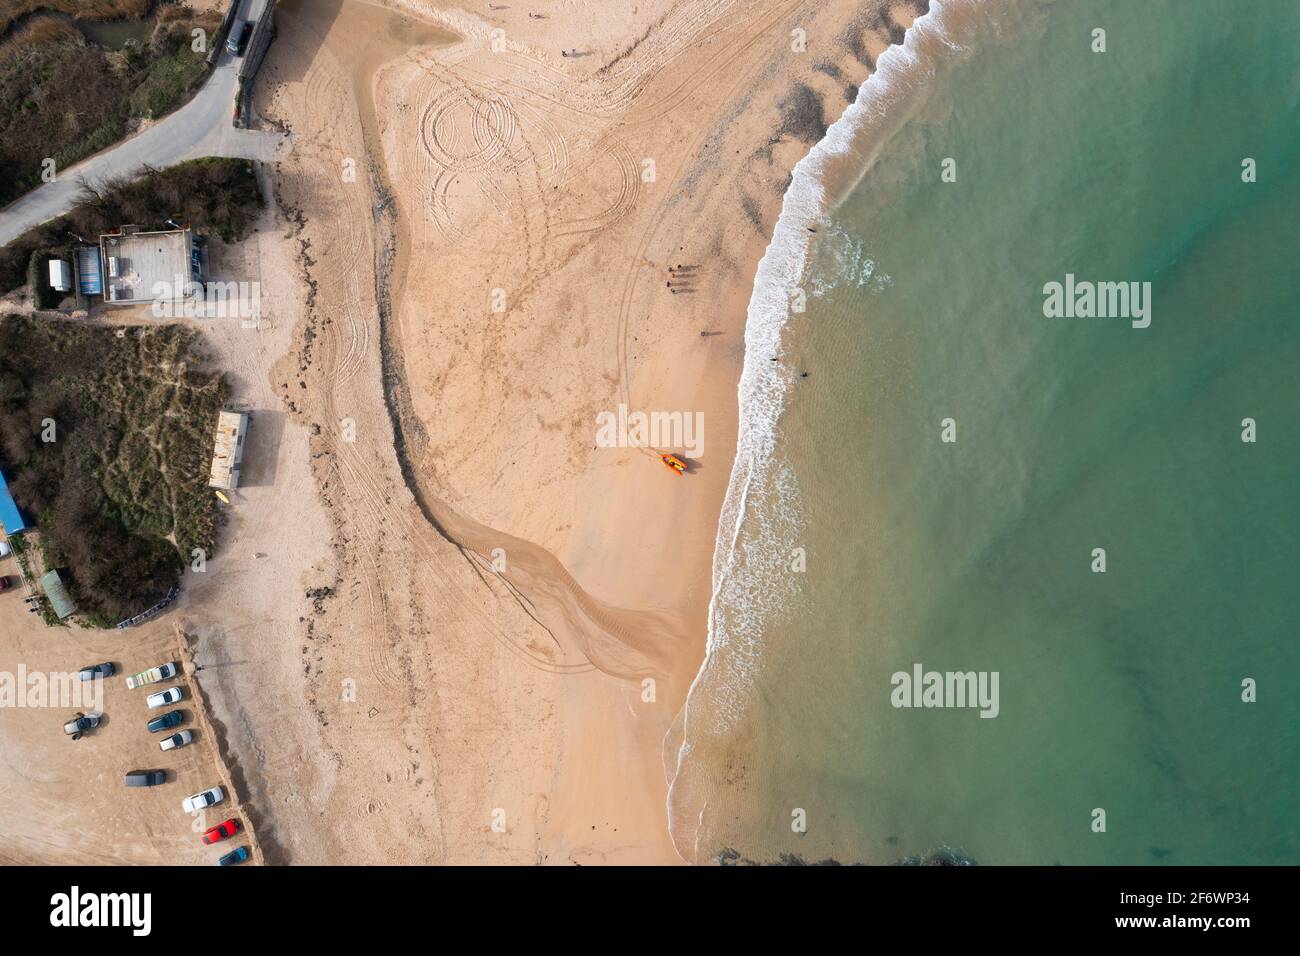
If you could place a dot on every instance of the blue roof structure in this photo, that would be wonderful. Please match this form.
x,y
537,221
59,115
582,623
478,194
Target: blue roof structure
x,y
9,516
88,275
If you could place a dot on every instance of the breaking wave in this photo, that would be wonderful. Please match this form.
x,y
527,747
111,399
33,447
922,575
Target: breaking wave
x,y
761,520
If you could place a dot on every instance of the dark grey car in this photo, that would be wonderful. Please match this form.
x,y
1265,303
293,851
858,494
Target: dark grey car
x,y
145,778
97,670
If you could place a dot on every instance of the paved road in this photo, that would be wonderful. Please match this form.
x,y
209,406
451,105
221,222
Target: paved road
x,y
202,127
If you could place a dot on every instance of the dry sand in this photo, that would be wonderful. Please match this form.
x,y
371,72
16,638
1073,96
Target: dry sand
x,y
521,170
444,627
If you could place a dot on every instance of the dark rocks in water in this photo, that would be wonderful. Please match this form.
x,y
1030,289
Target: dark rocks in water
x,y
944,856
730,857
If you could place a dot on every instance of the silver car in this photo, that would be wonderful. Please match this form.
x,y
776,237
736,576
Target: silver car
x,y
80,723
96,670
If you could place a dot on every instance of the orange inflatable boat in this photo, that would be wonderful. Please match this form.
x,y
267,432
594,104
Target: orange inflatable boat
x,y
676,464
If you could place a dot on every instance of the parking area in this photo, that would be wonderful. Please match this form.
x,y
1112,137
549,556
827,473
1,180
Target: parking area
x,y
64,801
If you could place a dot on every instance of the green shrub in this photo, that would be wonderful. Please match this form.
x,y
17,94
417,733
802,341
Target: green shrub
x,y
64,97
38,279
219,196
167,83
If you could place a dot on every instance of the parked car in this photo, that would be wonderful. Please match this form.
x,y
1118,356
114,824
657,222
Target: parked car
x,y
234,856
4,583
4,549
238,38
97,670
166,722
176,740
145,778
205,799
151,676
164,697
227,828
81,723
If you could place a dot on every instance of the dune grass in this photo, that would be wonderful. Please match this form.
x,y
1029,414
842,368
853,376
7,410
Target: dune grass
x,y
120,495
11,10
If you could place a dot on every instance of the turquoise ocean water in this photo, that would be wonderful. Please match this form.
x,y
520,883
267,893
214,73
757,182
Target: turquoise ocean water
x,y
856,543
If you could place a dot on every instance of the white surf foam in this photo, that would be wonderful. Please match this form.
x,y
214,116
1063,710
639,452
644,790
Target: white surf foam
x,y
752,583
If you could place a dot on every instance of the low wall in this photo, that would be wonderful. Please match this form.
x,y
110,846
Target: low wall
x,y
258,44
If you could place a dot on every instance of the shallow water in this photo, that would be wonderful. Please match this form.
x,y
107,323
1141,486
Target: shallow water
x,y
114,34
1119,691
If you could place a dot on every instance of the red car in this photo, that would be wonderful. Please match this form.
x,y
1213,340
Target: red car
x,y
221,831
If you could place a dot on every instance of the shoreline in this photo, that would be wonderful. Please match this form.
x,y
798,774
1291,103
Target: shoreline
x,y
448,706
819,182
488,625
668,538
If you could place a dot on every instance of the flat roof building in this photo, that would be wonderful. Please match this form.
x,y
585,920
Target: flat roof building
x,y
60,599
147,266
228,451
60,276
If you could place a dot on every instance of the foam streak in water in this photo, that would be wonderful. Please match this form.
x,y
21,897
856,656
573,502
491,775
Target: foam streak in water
x,y
761,517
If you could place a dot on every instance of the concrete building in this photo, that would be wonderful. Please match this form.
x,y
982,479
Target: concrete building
x,y
228,451
148,266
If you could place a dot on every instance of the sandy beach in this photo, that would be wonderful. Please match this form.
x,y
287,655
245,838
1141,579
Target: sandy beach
x,y
445,625
526,209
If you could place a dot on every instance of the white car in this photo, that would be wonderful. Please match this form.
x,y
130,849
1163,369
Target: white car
x,y
176,740
205,799
4,549
164,697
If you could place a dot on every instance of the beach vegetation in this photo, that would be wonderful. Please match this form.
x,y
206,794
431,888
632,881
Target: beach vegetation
x,y
217,196
67,90
120,497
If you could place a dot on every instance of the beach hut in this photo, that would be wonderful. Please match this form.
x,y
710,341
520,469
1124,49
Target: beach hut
x,y
228,450
58,594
